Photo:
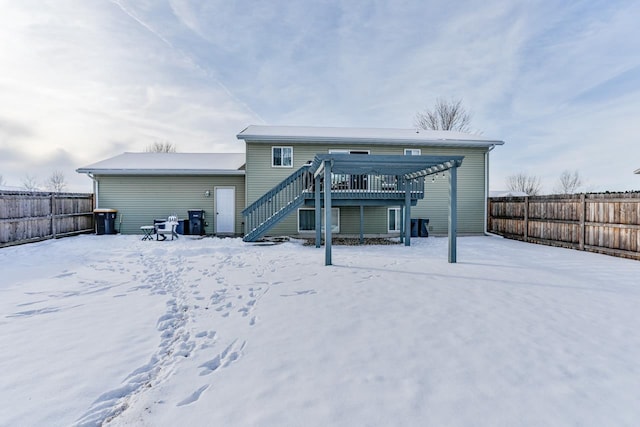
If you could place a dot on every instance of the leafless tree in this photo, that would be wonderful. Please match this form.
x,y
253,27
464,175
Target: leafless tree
x,y
529,184
2,180
56,182
568,183
30,183
445,115
161,147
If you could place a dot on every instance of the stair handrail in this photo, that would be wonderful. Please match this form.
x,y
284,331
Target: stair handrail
x,y
275,190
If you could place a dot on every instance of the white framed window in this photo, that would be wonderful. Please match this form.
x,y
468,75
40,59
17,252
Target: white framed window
x,y
412,152
393,219
307,220
282,157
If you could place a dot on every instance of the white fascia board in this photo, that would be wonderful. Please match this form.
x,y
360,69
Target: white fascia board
x,y
158,172
368,141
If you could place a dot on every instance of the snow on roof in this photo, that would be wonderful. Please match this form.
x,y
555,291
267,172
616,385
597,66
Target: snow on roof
x,y
169,163
11,188
507,193
311,134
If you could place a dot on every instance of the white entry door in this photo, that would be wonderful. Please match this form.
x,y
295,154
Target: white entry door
x,y
225,210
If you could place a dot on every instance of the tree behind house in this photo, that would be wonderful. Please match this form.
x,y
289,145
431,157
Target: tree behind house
x,y
161,147
568,183
522,182
56,182
445,115
30,183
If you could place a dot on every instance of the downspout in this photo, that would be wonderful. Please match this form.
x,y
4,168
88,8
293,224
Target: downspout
x,y
95,188
486,188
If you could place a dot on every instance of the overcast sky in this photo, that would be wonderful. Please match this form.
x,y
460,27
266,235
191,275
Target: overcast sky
x,y
84,80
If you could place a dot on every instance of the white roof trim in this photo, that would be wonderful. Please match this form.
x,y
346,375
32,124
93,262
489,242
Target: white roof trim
x,y
361,136
160,171
169,164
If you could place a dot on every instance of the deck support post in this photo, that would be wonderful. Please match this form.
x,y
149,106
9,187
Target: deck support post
x,y
453,213
407,212
401,223
361,224
327,212
318,210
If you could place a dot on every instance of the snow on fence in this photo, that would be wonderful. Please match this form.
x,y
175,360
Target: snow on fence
x,y
32,216
606,223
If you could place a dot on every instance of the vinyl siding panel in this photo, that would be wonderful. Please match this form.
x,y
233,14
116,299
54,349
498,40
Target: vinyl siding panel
x,y
261,177
140,199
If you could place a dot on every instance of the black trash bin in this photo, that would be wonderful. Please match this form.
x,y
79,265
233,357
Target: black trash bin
x,y
423,227
105,220
196,222
183,226
414,227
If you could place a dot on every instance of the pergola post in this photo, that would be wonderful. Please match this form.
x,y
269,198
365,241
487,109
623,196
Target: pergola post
x,y
327,212
453,213
407,212
318,211
361,224
401,223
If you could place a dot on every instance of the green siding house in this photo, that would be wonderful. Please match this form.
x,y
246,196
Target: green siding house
x,y
144,186
274,152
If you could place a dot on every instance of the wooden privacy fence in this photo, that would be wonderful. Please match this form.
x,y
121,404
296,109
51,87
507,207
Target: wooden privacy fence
x,y
606,223
32,216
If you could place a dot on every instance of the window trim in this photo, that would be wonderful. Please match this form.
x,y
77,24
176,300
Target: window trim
x,y
333,210
418,152
273,156
397,221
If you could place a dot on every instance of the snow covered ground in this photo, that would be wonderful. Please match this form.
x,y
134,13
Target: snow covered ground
x,y
200,332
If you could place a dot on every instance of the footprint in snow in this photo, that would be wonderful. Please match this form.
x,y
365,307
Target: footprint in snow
x,y
194,396
299,293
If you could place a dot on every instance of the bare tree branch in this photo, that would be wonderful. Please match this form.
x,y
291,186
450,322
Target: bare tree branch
x,y
161,147
445,115
30,183
568,183
528,184
56,182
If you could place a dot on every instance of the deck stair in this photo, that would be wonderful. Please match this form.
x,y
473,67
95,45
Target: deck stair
x,y
277,203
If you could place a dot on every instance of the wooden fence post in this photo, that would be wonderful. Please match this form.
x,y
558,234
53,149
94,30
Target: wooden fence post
x,y
53,215
583,213
526,219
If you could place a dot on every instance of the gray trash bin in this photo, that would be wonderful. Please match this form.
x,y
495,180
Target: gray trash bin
x,y
105,221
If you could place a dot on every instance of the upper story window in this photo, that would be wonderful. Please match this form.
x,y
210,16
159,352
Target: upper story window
x,y
282,157
412,152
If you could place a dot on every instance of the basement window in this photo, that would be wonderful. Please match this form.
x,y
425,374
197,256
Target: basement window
x,y
307,220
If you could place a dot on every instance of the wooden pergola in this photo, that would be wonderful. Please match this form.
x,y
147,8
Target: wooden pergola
x,y
405,168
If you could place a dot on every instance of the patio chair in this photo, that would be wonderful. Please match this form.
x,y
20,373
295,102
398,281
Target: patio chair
x,y
167,227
